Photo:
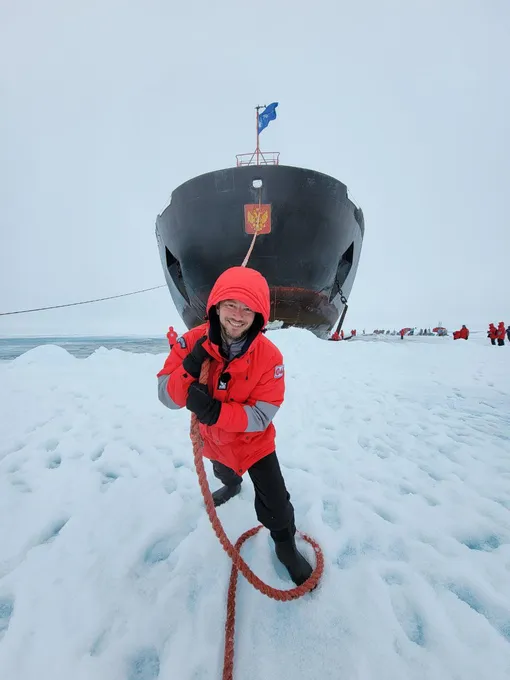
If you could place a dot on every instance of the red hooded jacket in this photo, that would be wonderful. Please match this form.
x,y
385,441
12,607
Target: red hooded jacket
x,y
501,331
172,336
254,391
463,334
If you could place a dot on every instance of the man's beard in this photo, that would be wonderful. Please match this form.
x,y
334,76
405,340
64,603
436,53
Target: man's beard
x,y
232,338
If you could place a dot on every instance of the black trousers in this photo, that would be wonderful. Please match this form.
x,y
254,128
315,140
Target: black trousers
x,y
272,500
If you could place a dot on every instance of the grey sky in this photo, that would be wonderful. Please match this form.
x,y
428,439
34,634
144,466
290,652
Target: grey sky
x,y
108,105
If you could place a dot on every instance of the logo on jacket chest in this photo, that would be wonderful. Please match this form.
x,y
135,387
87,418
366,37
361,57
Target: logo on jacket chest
x,y
223,381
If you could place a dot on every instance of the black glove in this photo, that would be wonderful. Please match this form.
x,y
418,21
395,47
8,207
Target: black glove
x,y
202,404
192,364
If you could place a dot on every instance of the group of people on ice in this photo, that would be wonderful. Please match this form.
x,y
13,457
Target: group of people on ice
x,y
341,336
498,333
494,333
423,331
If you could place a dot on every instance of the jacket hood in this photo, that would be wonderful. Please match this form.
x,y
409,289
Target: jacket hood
x,y
244,284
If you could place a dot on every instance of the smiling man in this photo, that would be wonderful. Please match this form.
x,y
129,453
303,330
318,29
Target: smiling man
x,y
235,410
235,319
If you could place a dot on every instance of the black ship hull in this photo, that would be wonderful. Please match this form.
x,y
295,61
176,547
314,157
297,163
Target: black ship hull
x,y
309,257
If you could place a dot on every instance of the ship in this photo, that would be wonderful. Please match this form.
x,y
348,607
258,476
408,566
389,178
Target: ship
x,y
299,226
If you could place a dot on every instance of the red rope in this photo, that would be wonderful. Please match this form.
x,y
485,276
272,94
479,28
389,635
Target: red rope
x,y
238,564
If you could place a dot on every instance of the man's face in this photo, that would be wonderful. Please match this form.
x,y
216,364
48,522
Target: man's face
x,y
235,318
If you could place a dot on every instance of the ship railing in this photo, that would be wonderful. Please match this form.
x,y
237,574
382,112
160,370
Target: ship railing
x,y
260,158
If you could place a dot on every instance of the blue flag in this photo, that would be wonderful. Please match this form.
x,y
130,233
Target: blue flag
x,y
267,115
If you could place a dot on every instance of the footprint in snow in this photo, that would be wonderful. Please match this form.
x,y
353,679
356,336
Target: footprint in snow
x,y
6,610
411,623
487,543
170,485
430,473
159,551
331,514
54,462
51,444
179,462
330,445
201,674
144,665
347,556
497,617
364,442
410,620
505,503
52,532
99,644
327,426
384,515
108,477
382,452
21,485
97,452
393,578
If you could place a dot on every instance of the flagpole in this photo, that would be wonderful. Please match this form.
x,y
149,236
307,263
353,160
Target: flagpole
x,y
257,150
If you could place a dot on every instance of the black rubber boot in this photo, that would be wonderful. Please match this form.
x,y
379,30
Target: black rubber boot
x,y
297,566
225,494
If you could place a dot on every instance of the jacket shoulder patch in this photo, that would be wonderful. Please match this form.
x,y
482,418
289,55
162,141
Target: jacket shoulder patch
x,y
279,371
182,342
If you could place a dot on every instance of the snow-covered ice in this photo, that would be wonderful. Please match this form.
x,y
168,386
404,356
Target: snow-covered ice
x,y
397,457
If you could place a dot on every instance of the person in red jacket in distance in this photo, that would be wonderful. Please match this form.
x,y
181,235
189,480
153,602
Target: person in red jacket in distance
x,y
172,336
501,334
245,390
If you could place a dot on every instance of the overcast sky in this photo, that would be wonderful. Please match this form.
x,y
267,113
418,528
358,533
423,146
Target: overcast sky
x,y
107,105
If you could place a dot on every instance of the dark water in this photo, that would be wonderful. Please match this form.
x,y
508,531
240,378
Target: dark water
x,y
82,347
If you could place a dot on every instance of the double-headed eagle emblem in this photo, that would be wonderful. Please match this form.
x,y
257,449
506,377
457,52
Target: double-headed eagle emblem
x,y
257,219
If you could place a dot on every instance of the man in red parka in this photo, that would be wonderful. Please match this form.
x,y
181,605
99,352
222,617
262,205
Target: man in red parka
x,y
172,336
235,410
492,333
501,333
463,334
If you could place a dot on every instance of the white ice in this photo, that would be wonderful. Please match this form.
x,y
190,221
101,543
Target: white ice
x,y
397,457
